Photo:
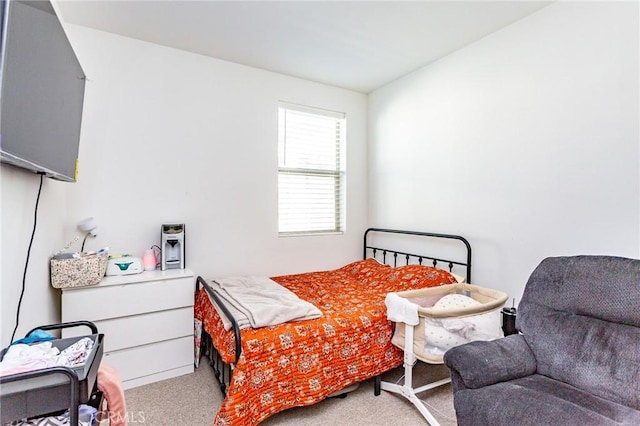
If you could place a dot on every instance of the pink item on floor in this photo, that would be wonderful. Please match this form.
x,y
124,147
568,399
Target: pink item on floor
x,y
110,383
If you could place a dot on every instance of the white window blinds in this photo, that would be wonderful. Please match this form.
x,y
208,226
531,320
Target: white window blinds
x,y
311,170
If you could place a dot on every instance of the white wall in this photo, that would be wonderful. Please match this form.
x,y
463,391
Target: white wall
x,y
526,142
174,137
40,303
170,136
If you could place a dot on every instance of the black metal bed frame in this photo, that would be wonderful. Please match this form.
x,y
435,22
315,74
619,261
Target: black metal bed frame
x,y
224,372
421,258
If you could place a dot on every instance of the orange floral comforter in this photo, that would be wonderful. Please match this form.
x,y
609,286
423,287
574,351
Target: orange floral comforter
x,y
301,363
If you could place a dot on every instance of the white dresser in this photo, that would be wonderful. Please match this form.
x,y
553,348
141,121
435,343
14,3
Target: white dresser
x,y
147,321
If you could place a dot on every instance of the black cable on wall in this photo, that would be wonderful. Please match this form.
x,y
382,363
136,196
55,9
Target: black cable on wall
x,y
26,264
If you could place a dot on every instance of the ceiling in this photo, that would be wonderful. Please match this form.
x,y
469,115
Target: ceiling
x,y
357,45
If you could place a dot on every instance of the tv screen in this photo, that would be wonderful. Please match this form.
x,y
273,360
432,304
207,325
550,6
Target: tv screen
x,y
42,91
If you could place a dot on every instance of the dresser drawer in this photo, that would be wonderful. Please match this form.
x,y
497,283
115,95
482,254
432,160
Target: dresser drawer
x,y
146,319
100,303
139,330
150,359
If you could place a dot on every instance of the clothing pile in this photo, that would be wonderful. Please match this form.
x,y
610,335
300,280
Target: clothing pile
x,y
87,416
21,357
27,355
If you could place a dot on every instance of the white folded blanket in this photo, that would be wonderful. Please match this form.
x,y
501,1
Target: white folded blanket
x,y
260,302
400,309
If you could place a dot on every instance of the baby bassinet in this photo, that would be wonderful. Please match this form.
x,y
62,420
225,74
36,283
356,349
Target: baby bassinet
x,y
447,316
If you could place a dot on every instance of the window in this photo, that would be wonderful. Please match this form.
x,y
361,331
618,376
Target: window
x,y
311,170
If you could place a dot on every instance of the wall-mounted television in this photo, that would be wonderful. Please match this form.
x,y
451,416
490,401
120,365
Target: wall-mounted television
x,y
41,93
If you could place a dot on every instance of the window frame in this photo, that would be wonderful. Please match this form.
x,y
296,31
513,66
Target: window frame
x,y
339,173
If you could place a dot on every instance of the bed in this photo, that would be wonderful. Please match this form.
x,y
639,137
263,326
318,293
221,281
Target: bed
x,y
266,370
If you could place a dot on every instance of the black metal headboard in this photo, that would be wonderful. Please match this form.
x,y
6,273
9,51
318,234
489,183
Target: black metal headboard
x,y
419,257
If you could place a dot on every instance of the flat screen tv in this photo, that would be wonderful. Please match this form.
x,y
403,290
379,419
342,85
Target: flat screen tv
x,y
42,91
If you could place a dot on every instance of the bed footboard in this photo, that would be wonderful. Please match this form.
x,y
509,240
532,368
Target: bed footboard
x,y
222,371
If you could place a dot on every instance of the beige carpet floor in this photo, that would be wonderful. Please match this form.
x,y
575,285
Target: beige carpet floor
x,y
194,399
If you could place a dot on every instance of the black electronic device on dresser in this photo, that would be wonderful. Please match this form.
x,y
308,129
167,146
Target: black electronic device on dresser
x,y
509,320
53,389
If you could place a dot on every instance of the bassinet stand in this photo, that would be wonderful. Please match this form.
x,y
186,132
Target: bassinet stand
x,y
407,390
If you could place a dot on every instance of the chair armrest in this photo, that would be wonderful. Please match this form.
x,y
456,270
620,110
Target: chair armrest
x,y
483,363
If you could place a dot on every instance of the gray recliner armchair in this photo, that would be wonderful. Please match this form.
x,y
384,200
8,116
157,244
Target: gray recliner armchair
x,y
577,359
